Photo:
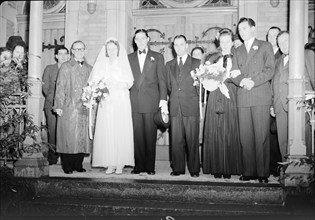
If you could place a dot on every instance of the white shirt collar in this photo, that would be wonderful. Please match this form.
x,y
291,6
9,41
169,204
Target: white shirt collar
x,y
184,57
250,42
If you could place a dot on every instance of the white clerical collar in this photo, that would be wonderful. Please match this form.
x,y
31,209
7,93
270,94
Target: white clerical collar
x,y
184,57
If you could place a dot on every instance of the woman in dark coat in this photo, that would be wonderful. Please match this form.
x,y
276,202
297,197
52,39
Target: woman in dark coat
x,y
221,144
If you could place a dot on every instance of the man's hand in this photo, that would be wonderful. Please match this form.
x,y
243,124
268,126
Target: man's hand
x,y
163,106
247,83
272,111
58,112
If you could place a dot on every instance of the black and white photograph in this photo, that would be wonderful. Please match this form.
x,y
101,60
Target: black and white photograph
x,y
157,109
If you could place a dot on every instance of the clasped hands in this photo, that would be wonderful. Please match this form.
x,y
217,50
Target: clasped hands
x,y
247,83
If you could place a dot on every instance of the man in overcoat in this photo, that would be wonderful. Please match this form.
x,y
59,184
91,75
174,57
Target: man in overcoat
x,y
72,124
48,88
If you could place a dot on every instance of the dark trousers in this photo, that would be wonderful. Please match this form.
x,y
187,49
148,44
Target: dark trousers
x,y
71,162
185,138
51,119
254,125
275,155
145,134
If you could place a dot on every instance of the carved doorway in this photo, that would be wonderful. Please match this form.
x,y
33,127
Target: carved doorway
x,y
198,22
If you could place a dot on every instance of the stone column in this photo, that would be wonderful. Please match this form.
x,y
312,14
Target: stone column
x,y
35,100
296,142
34,164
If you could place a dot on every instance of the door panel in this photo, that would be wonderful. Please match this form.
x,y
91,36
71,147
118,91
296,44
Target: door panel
x,y
200,29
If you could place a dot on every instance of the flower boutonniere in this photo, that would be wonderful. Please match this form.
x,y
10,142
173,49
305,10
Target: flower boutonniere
x,y
152,59
255,47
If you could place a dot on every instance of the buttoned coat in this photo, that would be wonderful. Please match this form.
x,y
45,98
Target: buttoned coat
x,y
49,84
149,85
280,86
259,65
180,85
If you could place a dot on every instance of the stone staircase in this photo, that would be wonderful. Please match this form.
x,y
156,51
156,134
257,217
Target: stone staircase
x,y
121,197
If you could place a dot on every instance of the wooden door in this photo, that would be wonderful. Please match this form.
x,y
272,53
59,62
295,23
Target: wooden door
x,y
198,25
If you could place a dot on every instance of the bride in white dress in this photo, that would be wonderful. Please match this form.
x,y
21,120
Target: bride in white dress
x,y
113,145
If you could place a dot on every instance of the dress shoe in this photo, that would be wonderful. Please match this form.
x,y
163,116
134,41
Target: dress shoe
x,y
174,174
135,172
245,178
227,176
194,174
217,175
68,172
119,171
151,173
110,170
263,179
82,170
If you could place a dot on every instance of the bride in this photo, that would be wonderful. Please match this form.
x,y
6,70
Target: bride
x,y
113,139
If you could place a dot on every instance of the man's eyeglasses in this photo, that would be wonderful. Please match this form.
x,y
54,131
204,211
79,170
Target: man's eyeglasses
x,y
78,49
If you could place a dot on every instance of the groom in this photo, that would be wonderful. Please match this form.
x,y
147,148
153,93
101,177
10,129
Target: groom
x,y
256,62
147,94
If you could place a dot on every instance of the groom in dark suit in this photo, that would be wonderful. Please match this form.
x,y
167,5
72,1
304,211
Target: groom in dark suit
x,y
256,63
184,110
147,94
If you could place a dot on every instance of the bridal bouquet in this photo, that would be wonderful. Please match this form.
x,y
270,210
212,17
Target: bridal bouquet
x,y
211,77
94,92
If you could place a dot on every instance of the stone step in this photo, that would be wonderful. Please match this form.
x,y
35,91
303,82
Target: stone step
x,y
176,191
70,206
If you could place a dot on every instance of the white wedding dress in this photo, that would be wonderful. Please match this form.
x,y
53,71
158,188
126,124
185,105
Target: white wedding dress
x,y
113,139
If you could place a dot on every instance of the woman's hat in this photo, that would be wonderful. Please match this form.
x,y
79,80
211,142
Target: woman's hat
x,y
161,120
13,41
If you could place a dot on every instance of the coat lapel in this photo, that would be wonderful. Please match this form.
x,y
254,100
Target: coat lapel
x,y
186,68
252,51
134,63
175,69
146,67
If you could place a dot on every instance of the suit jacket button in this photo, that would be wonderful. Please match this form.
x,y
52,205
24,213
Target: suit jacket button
x,y
179,89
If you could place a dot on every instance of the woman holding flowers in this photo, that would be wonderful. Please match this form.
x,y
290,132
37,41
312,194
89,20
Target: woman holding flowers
x,y
113,139
221,144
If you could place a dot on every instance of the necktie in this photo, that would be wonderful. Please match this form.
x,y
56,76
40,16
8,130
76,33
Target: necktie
x,y
142,51
180,65
80,62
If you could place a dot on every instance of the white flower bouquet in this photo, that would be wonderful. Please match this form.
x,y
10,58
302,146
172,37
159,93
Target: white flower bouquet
x,y
211,76
94,92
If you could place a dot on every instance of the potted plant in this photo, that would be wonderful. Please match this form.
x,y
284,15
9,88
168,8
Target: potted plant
x,y
304,181
18,139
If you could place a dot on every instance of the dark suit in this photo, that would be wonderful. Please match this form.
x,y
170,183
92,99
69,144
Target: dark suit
x,y
278,54
148,89
254,105
184,112
275,155
280,89
49,85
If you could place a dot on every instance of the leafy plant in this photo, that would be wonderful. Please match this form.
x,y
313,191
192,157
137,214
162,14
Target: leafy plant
x,y
16,125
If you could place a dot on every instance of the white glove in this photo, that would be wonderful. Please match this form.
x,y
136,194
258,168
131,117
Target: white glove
x,y
163,106
58,112
272,111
